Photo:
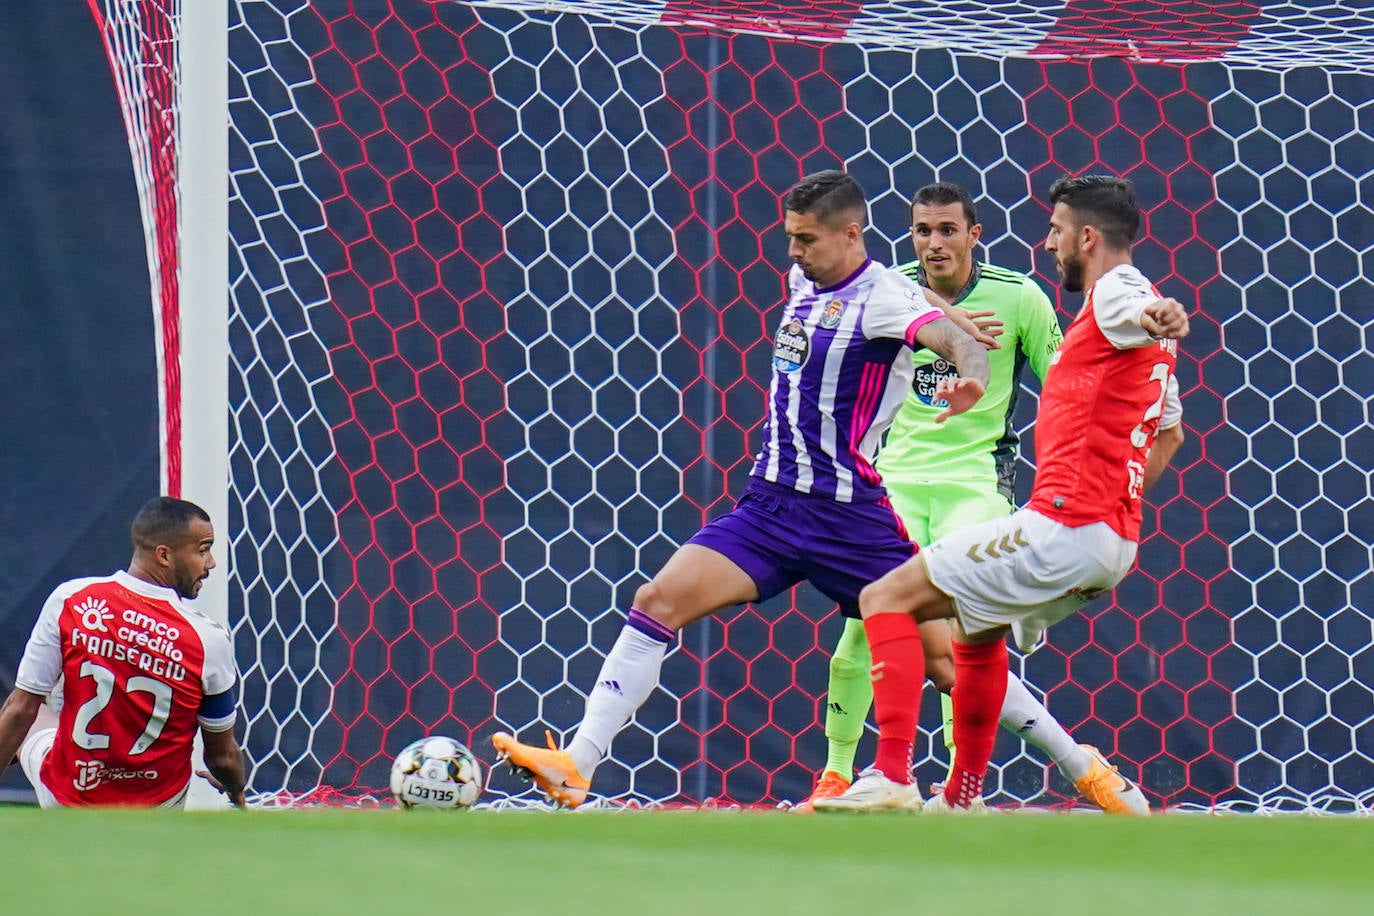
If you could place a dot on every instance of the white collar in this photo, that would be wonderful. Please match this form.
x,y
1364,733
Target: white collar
x,y
147,589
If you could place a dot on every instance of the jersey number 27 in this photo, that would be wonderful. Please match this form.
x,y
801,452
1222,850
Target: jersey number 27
x,y
104,691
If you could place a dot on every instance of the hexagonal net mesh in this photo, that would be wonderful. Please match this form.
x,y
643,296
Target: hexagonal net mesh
x,y
503,283
141,42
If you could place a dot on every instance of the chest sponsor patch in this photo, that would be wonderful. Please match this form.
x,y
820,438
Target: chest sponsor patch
x,y
928,376
791,347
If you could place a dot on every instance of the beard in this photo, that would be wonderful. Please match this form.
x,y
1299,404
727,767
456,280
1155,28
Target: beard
x,y
1071,274
188,583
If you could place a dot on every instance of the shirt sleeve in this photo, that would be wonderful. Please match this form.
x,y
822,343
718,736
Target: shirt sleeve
x,y
1040,335
1119,299
219,678
1172,414
898,309
218,711
41,665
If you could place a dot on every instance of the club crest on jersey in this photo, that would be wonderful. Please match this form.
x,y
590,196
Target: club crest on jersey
x,y
928,376
94,612
830,318
791,347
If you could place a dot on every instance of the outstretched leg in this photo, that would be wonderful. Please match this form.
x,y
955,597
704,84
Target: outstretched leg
x,y
1027,718
627,677
695,582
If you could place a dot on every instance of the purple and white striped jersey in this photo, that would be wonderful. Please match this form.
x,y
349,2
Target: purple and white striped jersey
x,y
841,369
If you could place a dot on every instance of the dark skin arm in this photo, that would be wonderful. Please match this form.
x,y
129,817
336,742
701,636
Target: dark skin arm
x,y
224,761
16,718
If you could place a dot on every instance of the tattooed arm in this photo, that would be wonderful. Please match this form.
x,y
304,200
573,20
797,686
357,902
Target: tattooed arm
x,y
944,337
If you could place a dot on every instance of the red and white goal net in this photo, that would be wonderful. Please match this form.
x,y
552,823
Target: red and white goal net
x,y
501,281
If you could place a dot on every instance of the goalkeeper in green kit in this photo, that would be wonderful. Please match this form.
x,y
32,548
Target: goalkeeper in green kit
x,y
943,476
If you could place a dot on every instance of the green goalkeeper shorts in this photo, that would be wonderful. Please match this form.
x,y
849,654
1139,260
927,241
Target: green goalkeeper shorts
x,y
932,509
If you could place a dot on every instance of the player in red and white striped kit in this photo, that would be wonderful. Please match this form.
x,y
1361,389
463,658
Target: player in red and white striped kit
x,y
1108,393
140,672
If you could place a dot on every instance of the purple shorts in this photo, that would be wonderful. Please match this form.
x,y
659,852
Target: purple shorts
x,y
780,537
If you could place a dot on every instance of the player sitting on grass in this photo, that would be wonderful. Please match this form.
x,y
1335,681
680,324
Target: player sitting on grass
x,y
1105,397
141,672
815,507
942,477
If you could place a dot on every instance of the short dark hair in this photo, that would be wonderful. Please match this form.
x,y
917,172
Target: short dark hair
x,y
828,194
1103,201
164,520
943,193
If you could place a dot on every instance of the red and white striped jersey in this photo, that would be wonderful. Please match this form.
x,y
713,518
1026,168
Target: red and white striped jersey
x,y
140,672
1100,409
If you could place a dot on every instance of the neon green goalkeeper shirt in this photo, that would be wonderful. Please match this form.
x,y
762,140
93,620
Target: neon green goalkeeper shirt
x,y
980,444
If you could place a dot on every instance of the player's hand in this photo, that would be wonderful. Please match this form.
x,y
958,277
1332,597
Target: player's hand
x,y
1165,318
959,393
237,799
987,322
966,324
214,783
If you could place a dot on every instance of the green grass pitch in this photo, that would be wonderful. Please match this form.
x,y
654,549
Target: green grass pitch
x,y
712,863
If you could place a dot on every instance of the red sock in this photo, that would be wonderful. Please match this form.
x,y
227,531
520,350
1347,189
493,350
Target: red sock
x,y
899,669
980,686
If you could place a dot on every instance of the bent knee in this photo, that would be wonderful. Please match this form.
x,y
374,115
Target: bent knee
x,y
907,590
888,595
877,597
651,599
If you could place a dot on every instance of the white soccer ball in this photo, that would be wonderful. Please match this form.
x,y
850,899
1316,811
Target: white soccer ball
x,y
436,772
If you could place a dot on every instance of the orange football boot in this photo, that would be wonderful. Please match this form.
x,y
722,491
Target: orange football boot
x,y
551,769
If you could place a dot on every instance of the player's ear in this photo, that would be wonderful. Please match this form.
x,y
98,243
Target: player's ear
x,y
975,232
1088,237
163,554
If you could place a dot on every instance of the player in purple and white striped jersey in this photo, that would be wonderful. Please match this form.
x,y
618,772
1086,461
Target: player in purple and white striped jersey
x,y
815,508
841,368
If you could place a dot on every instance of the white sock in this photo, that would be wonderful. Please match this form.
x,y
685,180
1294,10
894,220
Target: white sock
x,y
1027,717
629,674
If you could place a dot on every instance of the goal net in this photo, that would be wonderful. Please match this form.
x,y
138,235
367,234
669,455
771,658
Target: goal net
x,y
502,285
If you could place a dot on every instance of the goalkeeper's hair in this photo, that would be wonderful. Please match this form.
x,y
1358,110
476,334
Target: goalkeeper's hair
x,y
943,193
164,520
829,194
1105,202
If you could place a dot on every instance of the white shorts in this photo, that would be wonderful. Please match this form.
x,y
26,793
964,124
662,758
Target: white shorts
x,y
1025,571
31,753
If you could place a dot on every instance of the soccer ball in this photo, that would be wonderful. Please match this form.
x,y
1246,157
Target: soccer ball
x,y
436,772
